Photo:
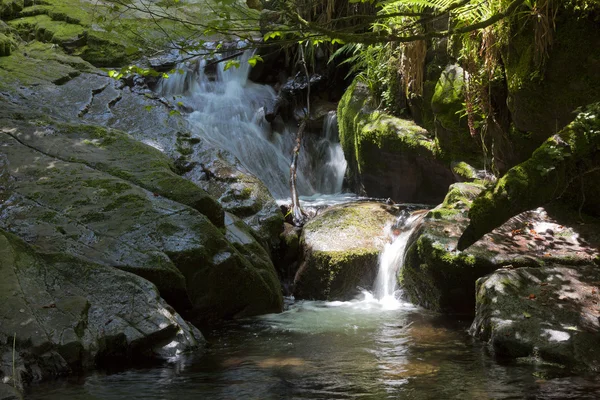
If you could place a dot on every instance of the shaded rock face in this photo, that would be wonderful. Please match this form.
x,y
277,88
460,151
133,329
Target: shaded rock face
x,y
85,207
67,315
340,251
542,99
9,393
389,156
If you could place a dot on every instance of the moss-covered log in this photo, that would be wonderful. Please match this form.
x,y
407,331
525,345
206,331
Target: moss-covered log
x,y
546,176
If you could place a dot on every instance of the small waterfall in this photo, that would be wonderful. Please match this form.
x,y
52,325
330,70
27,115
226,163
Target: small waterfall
x,y
332,156
228,111
391,259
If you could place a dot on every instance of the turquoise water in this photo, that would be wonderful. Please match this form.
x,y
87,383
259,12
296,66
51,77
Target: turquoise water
x,y
335,350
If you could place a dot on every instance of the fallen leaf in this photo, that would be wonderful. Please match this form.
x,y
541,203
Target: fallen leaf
x,y
544,284
532,296
533,232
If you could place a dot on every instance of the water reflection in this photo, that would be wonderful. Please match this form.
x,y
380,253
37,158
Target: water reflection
x,y
336,350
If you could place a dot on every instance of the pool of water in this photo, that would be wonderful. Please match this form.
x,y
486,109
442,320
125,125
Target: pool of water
x,y
362,349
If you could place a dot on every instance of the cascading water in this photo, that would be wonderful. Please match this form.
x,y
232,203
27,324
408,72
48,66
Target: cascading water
x,y
391,259
228,111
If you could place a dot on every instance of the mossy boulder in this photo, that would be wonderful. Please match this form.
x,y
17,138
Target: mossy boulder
x,y
546,314
570,154
543,97
93,202
439,277
340,251
389,156
238,192
434,275
67,315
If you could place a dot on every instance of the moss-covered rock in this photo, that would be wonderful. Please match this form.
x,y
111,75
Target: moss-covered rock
x,y
67,315
341,250
117,154
381,148
240,193
545,313
571,153
88,207
542,98
447,104
434,274
7,45
10,8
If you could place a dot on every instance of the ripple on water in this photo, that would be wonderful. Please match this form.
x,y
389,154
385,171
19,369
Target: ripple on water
x,y
334,350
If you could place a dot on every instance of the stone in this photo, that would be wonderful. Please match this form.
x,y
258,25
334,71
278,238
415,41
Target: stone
x,y
547,313
68,315
380,148
547,175
340,251
98,213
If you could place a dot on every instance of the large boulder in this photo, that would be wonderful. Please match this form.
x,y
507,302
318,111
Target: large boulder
x,y
60,314
239,192
380,148
545,303
95,204
340,251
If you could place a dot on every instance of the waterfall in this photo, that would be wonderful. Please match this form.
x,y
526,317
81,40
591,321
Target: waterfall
x,y
228,111
391,259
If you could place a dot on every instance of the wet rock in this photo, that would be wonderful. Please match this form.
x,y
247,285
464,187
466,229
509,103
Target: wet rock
x,y
239,192
340,251
97,212
380,148
68,315
434,274
318,111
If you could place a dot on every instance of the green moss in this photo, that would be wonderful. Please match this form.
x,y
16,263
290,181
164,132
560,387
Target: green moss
x,y
108,187
10,8
540,179
464,170
441,280
366,133
126,201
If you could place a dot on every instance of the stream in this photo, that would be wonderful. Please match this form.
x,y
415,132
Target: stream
x,y
374,347
334,350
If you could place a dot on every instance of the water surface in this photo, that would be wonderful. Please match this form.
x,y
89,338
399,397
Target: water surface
x,y
335,350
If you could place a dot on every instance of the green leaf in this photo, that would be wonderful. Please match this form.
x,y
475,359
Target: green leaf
x,y
148,108
526,314
231,63
271,35
254,59
334,41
